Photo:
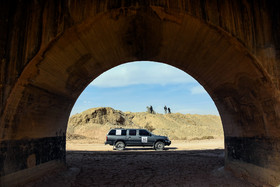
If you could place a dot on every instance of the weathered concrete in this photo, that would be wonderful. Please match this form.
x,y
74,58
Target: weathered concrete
x,y
50,51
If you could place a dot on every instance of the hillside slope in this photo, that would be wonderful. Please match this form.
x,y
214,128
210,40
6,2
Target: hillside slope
x,y
93,124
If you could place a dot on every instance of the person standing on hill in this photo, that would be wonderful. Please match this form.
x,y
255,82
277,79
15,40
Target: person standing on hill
x,y
165,109
151,109
169,111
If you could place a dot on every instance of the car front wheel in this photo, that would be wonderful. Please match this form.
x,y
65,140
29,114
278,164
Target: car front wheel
x,y
120,146
159,146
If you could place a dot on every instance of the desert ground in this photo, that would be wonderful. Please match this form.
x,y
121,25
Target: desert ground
x,y
183,163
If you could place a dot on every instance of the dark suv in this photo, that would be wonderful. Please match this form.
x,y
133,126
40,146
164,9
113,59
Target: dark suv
x,y
120,138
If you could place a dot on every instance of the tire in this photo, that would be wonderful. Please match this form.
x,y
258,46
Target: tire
x,y
119,146
159,146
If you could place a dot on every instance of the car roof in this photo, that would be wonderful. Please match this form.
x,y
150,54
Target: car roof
x,y
126,129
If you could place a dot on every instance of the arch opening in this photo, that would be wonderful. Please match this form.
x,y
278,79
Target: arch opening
x,y
121,97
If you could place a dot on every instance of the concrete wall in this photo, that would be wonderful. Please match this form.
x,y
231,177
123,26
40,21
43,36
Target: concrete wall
x,y
50,51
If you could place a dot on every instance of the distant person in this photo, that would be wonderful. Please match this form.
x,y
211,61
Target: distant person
x,y
165,109
151,109
169,111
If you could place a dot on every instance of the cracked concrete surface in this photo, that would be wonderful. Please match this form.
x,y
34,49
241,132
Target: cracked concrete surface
x,y
143,168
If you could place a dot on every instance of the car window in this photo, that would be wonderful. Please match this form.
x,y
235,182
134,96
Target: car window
x,y
144,133
132,132
120,132
123,132
112,132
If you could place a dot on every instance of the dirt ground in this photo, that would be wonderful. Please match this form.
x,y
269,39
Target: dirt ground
x,y
175,145
195,163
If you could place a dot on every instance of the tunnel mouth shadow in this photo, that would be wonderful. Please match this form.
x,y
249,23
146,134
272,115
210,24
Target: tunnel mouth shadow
x,y
143,151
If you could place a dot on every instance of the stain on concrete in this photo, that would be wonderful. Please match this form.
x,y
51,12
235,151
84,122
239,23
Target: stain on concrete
x,y
254,150
17,155
79,74
248,100
31,161
143,34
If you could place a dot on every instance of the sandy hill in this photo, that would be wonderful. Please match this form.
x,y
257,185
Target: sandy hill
x,y
93,124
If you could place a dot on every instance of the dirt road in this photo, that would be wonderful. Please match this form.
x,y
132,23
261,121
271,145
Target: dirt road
x,y
175,145
180,165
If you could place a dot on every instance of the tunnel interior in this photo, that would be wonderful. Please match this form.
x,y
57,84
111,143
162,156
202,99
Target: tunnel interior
x,y
36,109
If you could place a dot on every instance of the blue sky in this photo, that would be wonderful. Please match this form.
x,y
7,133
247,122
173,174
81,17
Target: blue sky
x,y
136,85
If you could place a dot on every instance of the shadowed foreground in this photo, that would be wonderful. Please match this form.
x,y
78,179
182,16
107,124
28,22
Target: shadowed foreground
x,y
139,167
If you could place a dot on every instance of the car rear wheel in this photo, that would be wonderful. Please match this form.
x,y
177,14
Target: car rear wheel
x,y
159,146
120,146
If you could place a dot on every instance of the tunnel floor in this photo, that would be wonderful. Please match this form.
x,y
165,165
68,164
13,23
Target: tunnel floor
x,y
136,167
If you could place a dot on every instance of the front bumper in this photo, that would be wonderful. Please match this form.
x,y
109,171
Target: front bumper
x,y
167,142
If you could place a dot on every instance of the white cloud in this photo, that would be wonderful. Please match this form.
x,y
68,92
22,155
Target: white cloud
x,y
86,102
198,90
142,73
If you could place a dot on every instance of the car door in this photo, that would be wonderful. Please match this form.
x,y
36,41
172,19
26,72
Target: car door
x,y
145,137
133,137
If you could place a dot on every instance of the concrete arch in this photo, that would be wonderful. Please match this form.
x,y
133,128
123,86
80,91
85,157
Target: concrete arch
x,y
35,113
